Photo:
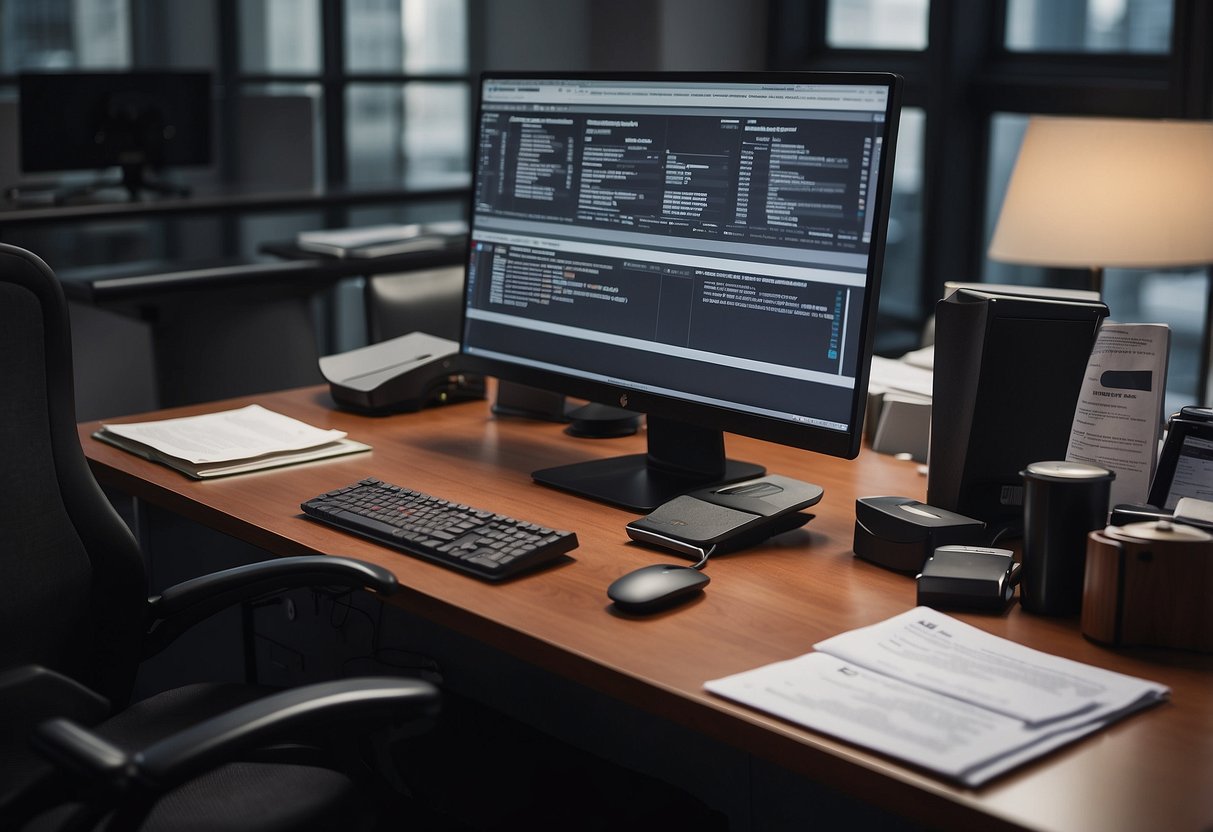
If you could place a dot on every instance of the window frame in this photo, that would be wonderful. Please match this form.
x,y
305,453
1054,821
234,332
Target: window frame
x,y
961,82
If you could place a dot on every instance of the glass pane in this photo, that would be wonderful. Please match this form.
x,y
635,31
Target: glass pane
x,y
414,36
903,250
1089,25
280,36
1006,134
64,34
436,130
1176,297
416,131
878,24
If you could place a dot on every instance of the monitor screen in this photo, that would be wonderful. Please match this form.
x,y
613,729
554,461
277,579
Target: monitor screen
x,y
705,249
95,120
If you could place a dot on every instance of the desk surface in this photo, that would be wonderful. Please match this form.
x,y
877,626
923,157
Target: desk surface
x,y
1151,771
138,283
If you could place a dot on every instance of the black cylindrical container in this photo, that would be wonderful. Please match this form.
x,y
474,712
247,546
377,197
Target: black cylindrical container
x,y
1062,501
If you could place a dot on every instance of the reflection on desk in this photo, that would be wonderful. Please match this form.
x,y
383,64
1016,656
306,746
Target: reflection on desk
x,y
766,604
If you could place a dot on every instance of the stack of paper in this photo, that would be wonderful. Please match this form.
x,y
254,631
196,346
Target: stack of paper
x,y
383,240
229,442
940,694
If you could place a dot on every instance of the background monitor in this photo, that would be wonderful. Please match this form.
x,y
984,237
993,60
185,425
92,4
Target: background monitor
x,y
136,121
703,248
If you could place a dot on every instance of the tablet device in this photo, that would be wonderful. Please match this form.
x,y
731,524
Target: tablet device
x,y
1185,467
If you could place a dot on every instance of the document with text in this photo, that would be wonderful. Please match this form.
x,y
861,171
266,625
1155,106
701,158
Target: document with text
x,y
1118,417
228,442
941,694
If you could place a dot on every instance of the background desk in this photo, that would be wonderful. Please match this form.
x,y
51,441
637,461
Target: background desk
x,y
216,329
1152,771
166,291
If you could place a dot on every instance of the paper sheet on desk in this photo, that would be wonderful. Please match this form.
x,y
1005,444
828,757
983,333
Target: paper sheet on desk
x,y
890,374
244,433
1117,420
958,736
925,648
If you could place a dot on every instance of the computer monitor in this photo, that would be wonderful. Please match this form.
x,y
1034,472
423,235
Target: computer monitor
x,y
136,121
702,248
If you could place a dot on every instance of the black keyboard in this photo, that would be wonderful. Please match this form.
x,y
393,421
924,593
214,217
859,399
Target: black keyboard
x,y
479,542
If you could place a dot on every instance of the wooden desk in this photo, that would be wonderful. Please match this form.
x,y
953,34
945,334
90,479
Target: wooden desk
x,y
1151,771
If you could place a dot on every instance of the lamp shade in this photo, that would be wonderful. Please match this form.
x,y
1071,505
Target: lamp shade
x,y
1098,192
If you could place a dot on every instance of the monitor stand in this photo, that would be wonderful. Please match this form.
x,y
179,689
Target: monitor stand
x,y
681,458
135,180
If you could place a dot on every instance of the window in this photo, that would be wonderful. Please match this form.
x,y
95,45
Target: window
x,y
408,101
878,24
903,249
974,74
1096,26
280,36
365,95
64,34
389,91
413,36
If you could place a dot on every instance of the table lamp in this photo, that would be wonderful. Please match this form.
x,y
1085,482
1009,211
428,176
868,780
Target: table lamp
x,y
1097,192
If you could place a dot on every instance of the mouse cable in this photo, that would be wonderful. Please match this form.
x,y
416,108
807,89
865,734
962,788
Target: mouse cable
x,y
707,553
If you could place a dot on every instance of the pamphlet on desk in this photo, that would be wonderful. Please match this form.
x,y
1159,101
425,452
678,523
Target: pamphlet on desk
x,y
383,240
228,442
941,694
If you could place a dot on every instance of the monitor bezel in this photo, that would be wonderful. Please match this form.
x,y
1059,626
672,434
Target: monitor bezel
x,y
845,443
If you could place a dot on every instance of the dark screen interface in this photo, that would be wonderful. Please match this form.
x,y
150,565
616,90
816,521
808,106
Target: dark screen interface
x,y
706,241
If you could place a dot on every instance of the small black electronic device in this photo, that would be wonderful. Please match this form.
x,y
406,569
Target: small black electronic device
x,y
1185,466
401,374
900,533
656,587
968,577
727,517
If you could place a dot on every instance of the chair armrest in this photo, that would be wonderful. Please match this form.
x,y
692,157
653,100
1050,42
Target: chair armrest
x,y
182,605
31,693
170,761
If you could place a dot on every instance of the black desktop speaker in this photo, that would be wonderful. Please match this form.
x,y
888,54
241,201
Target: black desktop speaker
x,y
1008,370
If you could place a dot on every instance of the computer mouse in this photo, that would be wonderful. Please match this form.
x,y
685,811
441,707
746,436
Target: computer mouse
x,y
656,587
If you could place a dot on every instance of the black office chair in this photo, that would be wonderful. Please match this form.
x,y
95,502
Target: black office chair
x,y
75,622
422,301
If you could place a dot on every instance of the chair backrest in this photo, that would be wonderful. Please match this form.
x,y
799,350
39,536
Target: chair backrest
x,y
428,301
72,584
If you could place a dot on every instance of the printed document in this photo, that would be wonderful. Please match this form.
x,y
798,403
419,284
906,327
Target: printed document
x,y
941,694
228,442
1118,418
